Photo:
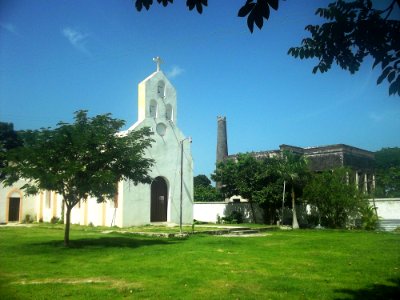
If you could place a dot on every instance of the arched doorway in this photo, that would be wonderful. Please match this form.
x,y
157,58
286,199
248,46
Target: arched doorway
x,y
159,200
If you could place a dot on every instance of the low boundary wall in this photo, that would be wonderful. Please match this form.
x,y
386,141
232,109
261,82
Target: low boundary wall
x,y
388,210
209,211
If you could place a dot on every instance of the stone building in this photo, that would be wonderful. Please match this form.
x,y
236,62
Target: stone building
x,y
329,157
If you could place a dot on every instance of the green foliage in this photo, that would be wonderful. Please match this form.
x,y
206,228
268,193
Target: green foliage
x,y
294,170
201,180
9,139
369,219
261,180
235,217
207,194
191,4
387,172
203,191
338,203
257,12
79,160
353,31
28,219
55,220
239,176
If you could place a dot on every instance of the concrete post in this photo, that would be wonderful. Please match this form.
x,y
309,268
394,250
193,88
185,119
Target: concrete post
x,y
373,182
357,180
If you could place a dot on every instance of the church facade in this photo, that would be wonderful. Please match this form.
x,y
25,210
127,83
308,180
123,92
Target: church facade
x,y
168,199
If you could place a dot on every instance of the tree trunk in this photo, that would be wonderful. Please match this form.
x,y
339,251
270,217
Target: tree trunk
x,y
67,225
295,224
62,210
252,212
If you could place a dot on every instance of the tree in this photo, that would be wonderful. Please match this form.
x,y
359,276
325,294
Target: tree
x,y
336,201
257,180
269,197
256,11
387,172
354,31
80,160
239,177
294,170
207,194
204,191
8,140
201,180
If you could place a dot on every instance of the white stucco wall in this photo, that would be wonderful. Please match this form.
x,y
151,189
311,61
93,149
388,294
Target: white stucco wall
x,y
27,203
209,211
166,151
387,208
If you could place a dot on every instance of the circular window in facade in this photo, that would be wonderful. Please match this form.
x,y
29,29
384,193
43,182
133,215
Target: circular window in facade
x,y
161,128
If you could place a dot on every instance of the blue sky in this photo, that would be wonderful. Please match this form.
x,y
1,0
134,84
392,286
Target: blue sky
x,y
57,57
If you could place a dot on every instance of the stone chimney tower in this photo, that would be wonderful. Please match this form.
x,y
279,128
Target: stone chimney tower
x,y
222,139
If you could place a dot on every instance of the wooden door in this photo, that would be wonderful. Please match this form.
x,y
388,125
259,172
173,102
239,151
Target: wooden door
x,y
13,209
159,200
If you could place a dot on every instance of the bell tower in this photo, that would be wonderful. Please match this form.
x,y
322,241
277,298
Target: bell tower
x,y
157,97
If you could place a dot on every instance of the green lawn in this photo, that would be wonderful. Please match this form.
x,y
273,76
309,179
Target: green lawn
x,y
301,264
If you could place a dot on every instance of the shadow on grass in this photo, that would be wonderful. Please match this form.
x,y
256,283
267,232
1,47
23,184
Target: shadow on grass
x,y
375,291
106,242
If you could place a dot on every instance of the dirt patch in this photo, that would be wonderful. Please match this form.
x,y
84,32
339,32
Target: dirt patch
x,y
91,280
245,235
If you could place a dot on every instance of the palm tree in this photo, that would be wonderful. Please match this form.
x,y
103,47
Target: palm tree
x,y
293,168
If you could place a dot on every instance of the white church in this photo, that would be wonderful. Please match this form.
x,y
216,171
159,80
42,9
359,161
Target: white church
x,y
167,199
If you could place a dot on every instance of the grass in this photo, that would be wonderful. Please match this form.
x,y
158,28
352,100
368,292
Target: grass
x,y
303,264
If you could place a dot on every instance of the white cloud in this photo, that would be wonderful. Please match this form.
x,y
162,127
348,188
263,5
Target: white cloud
x,y
9,27
176,71
77,39
375,117
385,116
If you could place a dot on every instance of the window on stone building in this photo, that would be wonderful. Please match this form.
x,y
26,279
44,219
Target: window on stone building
x,y
169,112
161,89
153,109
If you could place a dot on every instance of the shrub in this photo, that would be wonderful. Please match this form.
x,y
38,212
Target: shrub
x,y
337,202
235,217
219,219
369,219
28,219
54,220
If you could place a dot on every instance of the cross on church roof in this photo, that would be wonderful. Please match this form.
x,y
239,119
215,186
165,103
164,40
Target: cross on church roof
x,y
158,61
